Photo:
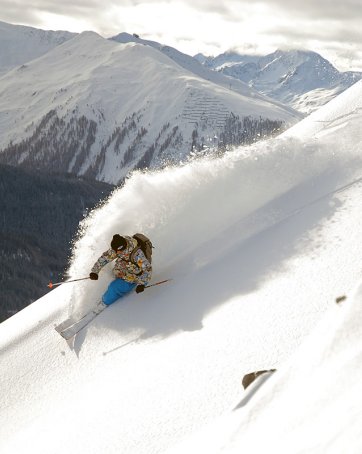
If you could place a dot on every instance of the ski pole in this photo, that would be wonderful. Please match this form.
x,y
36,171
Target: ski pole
x,y
51,285
158,283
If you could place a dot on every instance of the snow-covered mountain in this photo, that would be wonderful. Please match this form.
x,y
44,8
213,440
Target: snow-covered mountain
x,y
100,108
302,79
21,44
259,243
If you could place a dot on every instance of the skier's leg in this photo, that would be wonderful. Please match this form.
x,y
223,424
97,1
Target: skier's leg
x,y
116,290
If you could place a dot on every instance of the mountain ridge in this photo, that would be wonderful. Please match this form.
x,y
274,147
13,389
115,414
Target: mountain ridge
x,y
299,78
21,44
99,108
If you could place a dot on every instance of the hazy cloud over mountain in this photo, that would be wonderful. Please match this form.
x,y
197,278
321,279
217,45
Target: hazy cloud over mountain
x,y
328,27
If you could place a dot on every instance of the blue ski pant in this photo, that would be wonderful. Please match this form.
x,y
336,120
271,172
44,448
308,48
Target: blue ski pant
x,y
116,290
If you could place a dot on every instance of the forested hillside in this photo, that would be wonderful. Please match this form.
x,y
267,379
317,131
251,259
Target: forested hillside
x,y
39,217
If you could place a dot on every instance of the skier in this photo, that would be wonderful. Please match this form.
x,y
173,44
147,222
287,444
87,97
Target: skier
x,y
132,269
133,256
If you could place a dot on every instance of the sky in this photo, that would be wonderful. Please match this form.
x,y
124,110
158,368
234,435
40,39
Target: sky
x,y
329,27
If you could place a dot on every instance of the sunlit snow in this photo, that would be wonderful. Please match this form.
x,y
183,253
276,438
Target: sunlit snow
x,y
259,243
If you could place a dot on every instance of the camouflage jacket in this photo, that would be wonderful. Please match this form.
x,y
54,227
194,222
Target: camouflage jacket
x,y
138,271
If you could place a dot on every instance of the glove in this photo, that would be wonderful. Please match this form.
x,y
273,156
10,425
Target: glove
x,y
140,288
93,276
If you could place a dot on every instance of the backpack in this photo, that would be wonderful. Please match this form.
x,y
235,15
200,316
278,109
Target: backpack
x,y
144,243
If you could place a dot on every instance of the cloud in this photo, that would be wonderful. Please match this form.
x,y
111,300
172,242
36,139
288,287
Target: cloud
x,y
343,9
30,13
321,9
208,26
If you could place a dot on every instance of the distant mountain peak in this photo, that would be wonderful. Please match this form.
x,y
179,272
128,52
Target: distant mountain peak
x,y
300,78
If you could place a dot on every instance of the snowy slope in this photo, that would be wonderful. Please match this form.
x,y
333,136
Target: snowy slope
x,y
97,107
20,44
313,402
302,79
259,244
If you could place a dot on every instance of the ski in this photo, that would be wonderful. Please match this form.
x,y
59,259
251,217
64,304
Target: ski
x,y
65,324
70,327
69,331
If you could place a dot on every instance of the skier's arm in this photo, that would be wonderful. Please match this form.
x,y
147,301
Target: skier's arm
x,y
105,258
